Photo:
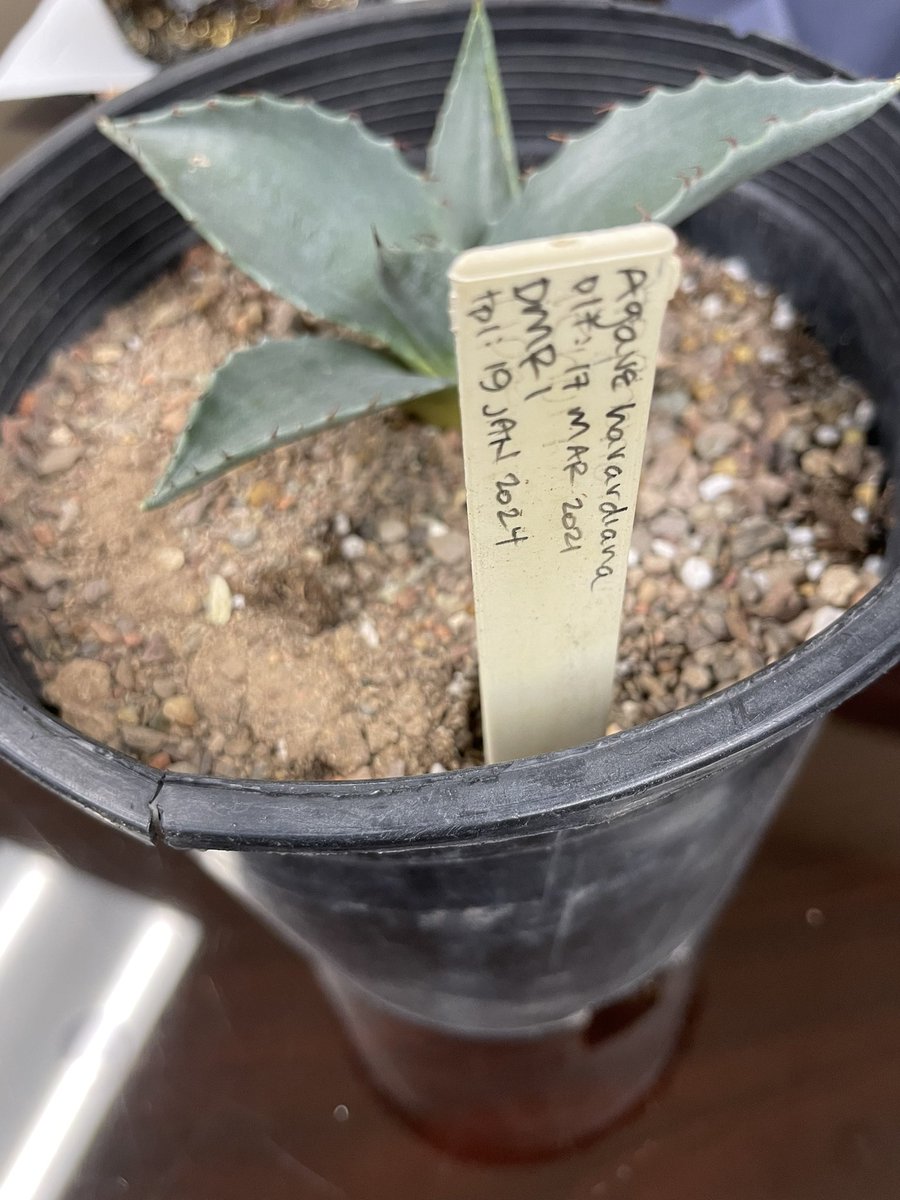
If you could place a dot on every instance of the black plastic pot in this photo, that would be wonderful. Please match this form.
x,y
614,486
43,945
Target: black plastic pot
x,y
516,899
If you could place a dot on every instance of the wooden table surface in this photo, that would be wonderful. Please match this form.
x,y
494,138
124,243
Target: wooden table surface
x,y
788,1090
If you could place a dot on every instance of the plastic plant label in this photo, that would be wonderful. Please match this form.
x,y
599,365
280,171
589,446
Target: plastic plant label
x,y
557,343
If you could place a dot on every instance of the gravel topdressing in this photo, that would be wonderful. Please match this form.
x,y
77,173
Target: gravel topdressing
x,y
310,615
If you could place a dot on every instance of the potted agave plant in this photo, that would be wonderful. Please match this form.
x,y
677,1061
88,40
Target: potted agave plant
x,y
508,904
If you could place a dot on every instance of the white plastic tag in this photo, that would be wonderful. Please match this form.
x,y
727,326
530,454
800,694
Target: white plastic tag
x,y
557,343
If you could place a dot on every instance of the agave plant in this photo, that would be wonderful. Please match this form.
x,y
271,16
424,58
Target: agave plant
x,y
314,207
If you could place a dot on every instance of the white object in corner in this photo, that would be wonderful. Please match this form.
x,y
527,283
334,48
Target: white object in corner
x,y
70,47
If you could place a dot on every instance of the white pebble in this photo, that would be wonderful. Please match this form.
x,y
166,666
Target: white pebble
x,y
815,570
458,686
714,486
784,315
688,284
711,306
238,601
860,514
736,269
353,547
437,529
663,549
61,435
634,557
827,435
864,413
369,633
69,512
801,535
822,618
874,565
341,524
437,769
770,356
697,574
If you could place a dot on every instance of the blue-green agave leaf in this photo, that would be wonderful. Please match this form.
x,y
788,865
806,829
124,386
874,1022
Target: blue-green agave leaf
x,y
416,286
668,155
279,392
472,157
290,193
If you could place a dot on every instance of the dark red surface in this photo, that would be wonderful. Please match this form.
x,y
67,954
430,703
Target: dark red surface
x,y
789,1088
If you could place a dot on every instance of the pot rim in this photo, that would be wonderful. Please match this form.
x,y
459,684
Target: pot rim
x,y
596,783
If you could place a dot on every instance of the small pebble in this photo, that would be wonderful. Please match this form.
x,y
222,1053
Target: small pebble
x,y
180,709
184,767
42,574
353,548
369,633
341,524
94,591
801,535
784,315
124,674
697,574
716,440
755,535
838,585
864,413
770,356
392,530
142,738
815,570
450,547
57,460
697,678
218,601
714,486
827,435
156,648
263,493
822,618
244,537
674,403
736,269
169,559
